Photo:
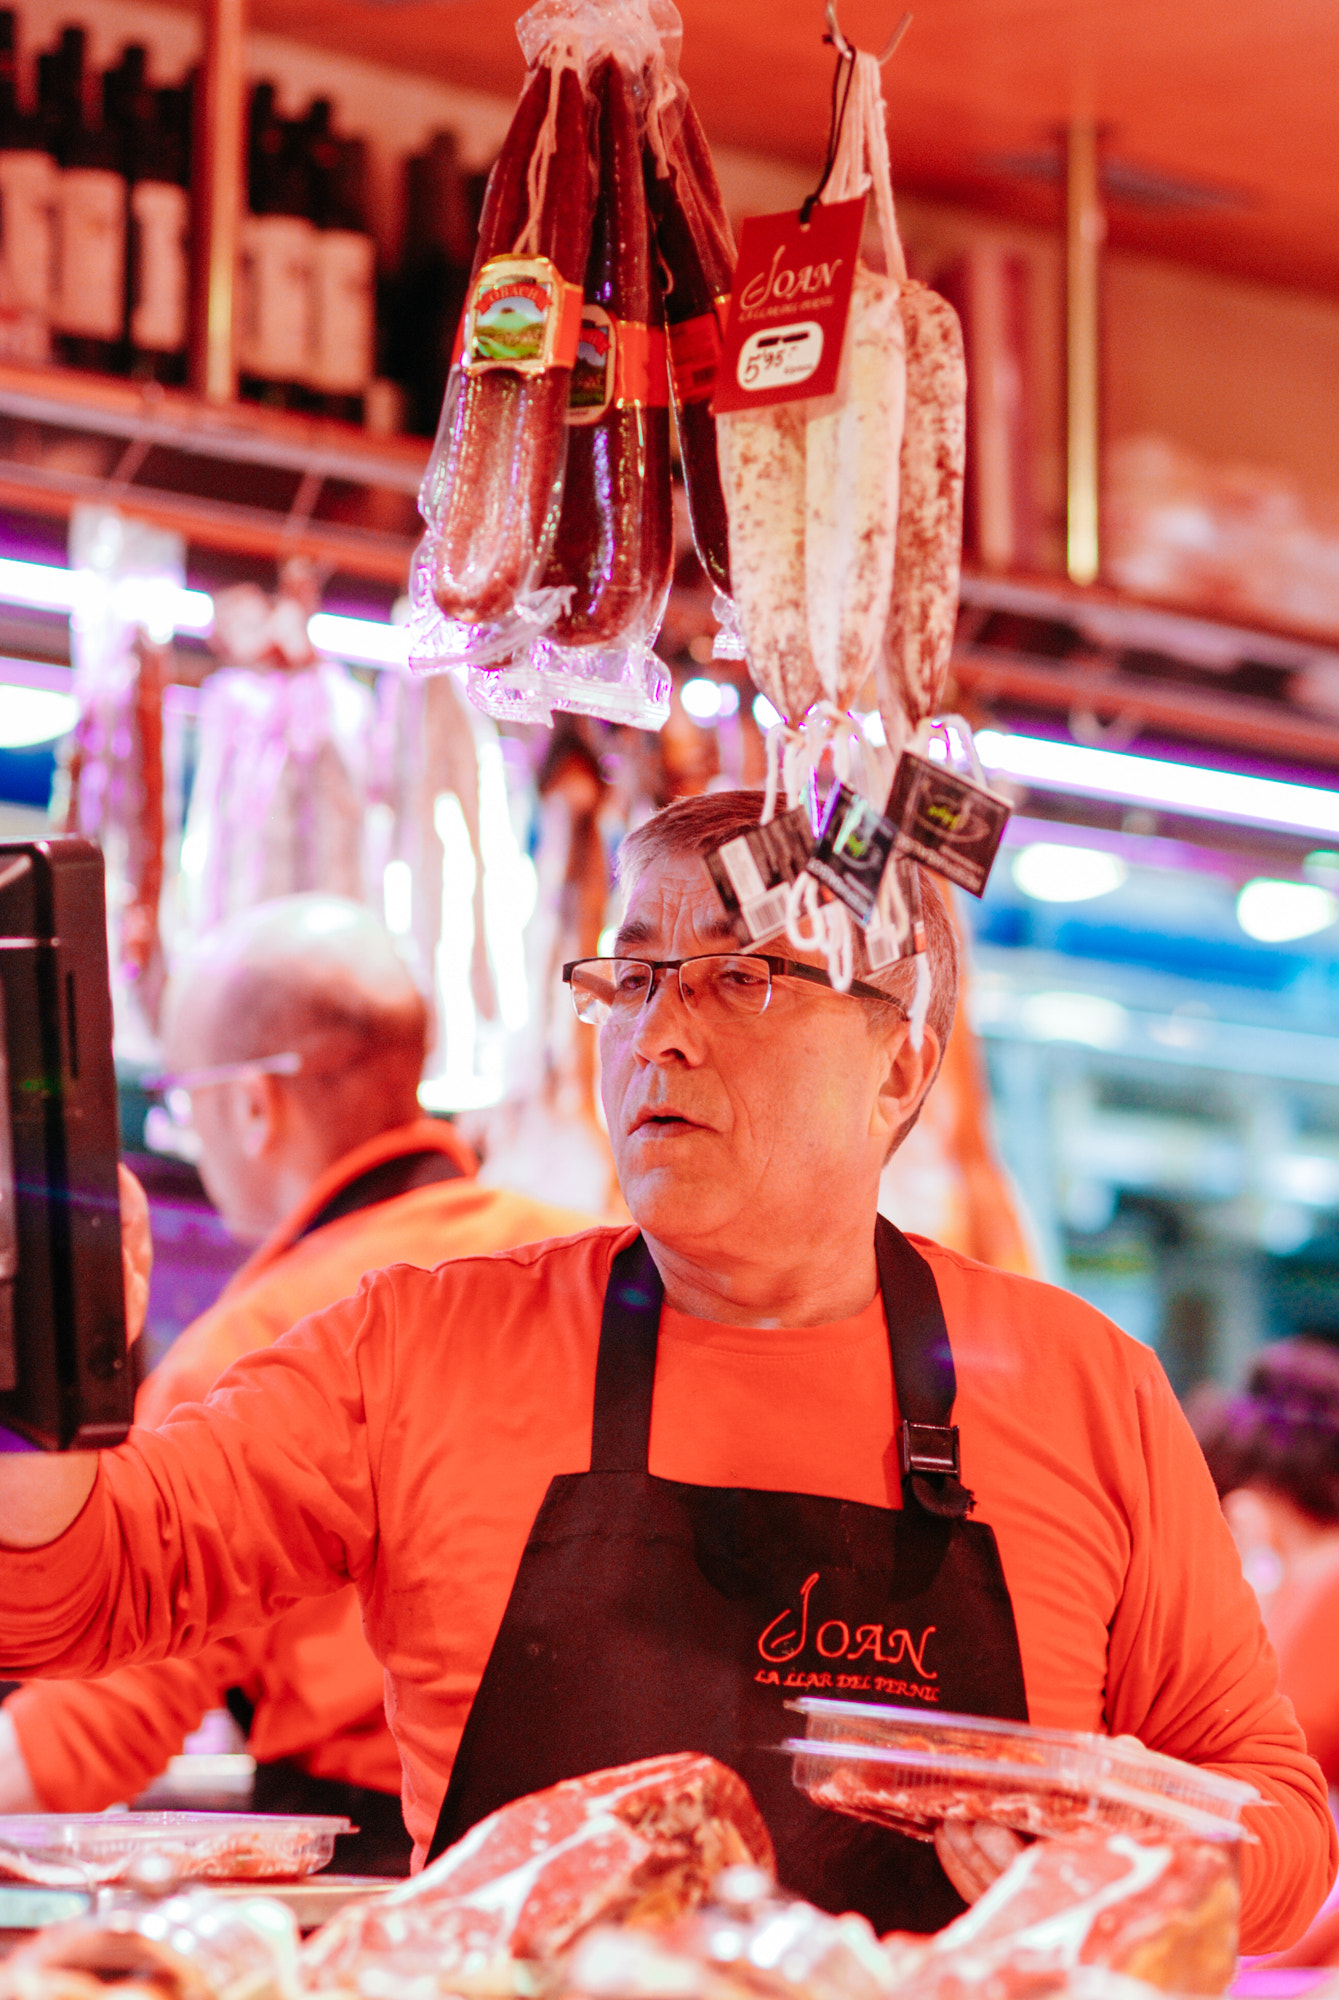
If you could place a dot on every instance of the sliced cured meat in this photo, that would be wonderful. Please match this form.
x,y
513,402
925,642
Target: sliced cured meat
x,y
1161,1910
638,1844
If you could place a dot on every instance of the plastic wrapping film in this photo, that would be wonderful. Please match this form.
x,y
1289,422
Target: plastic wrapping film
x,y
546,562
79,1849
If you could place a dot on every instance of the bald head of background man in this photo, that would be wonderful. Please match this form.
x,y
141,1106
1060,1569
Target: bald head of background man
x,y
312,977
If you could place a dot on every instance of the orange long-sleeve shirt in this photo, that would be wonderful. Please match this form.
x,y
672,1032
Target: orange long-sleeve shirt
x,y
404,1439
318,1690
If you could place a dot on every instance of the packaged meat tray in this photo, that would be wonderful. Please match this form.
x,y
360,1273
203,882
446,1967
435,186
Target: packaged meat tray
x,y
901,1767
79,1849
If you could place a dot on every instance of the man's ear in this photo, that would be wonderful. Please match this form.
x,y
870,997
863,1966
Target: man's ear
x,y
908,1074
261,1113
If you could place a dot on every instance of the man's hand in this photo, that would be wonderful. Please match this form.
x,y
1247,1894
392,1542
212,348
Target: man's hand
x,y
42,1492
136,1250
973,1852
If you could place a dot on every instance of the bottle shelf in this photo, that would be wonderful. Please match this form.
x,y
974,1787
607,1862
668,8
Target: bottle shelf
x,y
317,487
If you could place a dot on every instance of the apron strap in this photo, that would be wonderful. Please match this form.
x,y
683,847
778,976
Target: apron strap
x,y
923,1373
625,1373
923,1376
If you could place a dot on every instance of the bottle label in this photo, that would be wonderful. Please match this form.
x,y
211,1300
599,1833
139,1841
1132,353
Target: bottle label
x,y
159,223
278,257
90,253
619,362
343,327
695,355
523,315
27,201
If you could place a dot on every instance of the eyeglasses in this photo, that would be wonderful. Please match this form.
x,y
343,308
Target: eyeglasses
x,y
716,986
287,1064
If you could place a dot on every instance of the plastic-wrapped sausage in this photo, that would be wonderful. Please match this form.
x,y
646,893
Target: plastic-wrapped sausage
x,y
614,543
762,455
490,491
915,660
851,494
697,255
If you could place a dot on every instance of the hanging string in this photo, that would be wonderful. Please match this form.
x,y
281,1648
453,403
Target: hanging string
x,y
842,78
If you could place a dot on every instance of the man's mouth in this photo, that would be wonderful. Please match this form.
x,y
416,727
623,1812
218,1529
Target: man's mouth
x,y
664,1121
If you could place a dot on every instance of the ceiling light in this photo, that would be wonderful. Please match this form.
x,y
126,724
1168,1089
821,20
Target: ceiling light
x,y
30,715
1051,873
874,730
1280,912
48,587
1153,781
764,714
701,699
1074,1017
365,640
729,695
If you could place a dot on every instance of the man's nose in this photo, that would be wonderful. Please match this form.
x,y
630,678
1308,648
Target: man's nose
x,y
665,1026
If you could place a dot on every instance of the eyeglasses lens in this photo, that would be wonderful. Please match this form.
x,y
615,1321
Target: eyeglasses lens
x,y
717,987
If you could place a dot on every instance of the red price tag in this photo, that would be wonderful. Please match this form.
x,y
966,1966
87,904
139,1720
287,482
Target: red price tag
x,y
788,308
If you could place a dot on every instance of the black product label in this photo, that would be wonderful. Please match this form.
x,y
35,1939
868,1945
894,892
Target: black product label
x,y
851,852
753,873
946,822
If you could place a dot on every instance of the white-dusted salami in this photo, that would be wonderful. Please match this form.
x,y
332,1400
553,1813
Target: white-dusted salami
x,y
762,454
913,665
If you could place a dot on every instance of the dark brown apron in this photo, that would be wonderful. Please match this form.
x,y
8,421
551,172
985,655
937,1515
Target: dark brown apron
x,y
649,1615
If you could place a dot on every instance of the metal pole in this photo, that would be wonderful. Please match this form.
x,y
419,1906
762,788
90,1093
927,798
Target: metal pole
x,y
219,192
1085,227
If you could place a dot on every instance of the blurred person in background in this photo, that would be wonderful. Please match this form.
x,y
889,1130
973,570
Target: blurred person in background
x,y
299,1036
1273,1450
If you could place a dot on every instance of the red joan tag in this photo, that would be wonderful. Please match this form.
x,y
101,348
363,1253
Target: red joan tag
x,y
788,308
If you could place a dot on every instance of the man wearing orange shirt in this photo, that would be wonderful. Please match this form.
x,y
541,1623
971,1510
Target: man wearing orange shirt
x,y
633,1491
300,1037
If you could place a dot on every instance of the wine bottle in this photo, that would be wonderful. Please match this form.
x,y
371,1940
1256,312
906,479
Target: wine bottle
x,y
158,266
342,357
88,305
27,197
278,252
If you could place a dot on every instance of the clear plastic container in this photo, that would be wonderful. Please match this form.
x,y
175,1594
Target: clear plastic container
x,y
906,1768
79,1849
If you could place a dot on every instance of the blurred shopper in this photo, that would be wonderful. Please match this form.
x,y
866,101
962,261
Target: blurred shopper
x,y
299,1036
1273,1450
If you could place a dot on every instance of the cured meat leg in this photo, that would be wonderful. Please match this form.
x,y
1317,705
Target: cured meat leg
x,y
638,1844
1160,1910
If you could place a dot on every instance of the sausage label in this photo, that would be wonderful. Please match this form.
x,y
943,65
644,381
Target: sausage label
x,y
522,315
753,873
619,362
852,850
695,356
945,822
788,310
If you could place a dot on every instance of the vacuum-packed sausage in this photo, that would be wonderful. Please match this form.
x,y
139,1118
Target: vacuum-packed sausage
x,y
614,543
489,496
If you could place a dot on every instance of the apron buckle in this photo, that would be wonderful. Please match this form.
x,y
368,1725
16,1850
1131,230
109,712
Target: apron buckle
x,y
929,1448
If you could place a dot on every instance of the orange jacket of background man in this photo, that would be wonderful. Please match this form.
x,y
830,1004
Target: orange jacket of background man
x,y
405,1438
317,1690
